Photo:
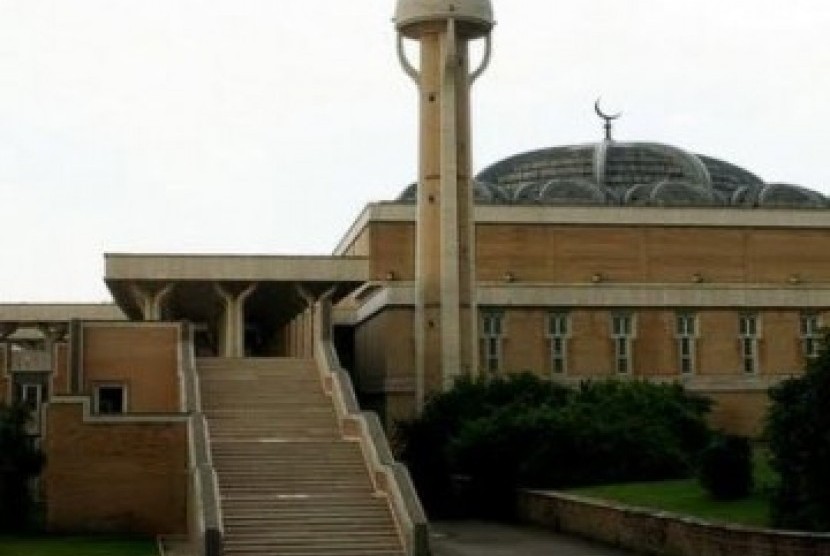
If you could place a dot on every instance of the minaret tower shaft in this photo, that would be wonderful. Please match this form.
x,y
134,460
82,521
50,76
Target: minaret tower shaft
x,y
446,337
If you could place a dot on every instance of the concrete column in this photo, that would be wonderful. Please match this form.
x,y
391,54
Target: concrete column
x,y
232,333
307,329
295,349
323,318
301,334
445,313
150,298
53,333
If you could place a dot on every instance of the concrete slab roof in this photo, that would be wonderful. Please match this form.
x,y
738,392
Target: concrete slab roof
x,y
35,313
235,268
277,278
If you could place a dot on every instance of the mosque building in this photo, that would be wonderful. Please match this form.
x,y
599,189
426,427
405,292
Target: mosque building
x,y
634,260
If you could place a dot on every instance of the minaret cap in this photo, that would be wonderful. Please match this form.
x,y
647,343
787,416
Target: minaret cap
x,y
475,17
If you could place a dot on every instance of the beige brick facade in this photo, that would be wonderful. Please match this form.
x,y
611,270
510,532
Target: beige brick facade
x,y
124,472
142,358
114,476
724,266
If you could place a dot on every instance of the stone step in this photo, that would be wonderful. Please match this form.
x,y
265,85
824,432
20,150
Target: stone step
x,y
254,386
234,405
232,470
271,413
332,537
315,551
253,361
300,448
306,541
308,505
292,489
309,520
270,430
254,425
289,483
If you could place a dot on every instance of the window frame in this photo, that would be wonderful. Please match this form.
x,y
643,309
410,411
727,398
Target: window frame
x,y
622,337
558,332
810,327
110,385
491,335
748,337
686,330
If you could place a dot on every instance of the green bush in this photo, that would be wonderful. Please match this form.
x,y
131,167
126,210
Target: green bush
x,y
424,443
523,431
798,432
19,462
726,467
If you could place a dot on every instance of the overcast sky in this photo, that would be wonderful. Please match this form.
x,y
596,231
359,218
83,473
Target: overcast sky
x,y
264,126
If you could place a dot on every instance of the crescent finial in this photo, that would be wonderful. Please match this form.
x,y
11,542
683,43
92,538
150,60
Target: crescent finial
x,y
609,118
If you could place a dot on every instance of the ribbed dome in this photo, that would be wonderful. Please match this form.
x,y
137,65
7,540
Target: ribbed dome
x,y
629,173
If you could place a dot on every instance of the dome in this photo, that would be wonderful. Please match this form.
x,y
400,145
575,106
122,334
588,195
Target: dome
x,y
629,173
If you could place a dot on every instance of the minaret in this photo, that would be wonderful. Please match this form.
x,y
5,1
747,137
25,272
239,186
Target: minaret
x,y
445,315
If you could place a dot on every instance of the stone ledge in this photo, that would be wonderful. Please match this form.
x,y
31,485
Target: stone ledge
x,y
661,533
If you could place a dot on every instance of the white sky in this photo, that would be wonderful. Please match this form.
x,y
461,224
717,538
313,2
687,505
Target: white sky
x,y
264,126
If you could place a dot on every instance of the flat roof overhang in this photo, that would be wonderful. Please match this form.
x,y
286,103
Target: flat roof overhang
x,y
280,280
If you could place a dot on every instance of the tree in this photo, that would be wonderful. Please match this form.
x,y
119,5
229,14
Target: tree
x,y
726,467
798,432
20,460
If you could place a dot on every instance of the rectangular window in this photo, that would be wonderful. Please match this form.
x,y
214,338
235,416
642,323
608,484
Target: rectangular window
x,y
622,332
810,334
748,336
686,334
492,334
110,399
558,333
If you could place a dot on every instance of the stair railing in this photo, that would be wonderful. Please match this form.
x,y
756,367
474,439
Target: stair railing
x,y
388,475
204,507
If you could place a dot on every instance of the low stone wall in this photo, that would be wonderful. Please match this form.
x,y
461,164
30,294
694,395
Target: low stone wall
x,y
661,533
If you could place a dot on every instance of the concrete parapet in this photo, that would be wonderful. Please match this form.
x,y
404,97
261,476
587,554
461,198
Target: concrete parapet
x,y
205,527
388,475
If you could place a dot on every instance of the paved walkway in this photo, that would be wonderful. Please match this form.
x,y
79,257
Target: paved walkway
x,y
477,538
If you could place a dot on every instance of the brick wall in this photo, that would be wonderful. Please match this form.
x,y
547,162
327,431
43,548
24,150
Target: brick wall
x,y
739,412
60,370
144,357
392,250
114,476
385,348
569,254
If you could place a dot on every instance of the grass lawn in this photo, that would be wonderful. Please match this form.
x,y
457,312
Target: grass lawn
x,y
76,546
688,497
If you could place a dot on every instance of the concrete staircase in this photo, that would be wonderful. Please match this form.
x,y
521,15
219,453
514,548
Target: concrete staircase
x,y
289,483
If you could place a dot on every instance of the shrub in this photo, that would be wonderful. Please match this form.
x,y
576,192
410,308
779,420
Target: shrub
x,y
424,442
19,462
522,431
797,431
726,467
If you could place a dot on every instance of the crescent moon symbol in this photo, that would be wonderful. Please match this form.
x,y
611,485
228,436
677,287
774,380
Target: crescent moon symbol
x,y
602,114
